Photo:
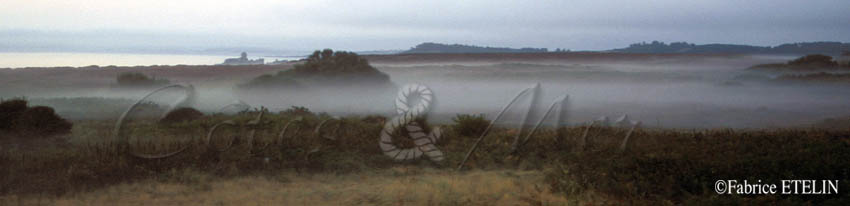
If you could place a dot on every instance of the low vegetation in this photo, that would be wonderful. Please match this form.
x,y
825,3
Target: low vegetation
x,y
18,118
469,125
184,114
401,185
680,168
806,63
10,110
840,123
820,77
659,166
85,108
814,60
322,69
134,79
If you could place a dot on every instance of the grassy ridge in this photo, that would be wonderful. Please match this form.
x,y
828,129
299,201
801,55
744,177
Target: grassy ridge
x,y
659,166
682,167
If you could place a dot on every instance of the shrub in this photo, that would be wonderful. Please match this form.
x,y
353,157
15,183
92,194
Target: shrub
x,y
183,114
324,68
11,110
16,116
813,60
470,125
297,111
41,120
328,62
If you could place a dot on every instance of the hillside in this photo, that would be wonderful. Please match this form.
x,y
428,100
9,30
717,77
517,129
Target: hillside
x,y
324,69
654,47
829,48
430,48
813,62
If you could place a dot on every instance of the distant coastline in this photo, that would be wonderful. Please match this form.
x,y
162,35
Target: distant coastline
x,y
437,48
802,48
10,59
66,59
654,47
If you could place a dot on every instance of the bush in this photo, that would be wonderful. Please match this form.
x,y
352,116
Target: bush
x,y
16,116
470,125
297,111
328,62
814,60
11,110
183,114
324,68
41,120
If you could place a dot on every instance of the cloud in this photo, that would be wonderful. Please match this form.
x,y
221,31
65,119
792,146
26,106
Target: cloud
x,y
384,24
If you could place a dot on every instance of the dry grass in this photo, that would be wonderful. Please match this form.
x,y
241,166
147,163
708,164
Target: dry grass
x,y
660,167
396,186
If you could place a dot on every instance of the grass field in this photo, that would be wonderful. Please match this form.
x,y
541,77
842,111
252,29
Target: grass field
x,y
659,166
395,186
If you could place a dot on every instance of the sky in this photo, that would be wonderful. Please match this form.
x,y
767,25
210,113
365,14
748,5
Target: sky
x,y
155,26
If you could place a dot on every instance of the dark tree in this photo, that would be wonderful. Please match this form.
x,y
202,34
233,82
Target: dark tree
x,y
324,68
41,120
10,110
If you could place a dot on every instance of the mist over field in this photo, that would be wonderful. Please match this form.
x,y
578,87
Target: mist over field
x,y
382,102
675,94
671,92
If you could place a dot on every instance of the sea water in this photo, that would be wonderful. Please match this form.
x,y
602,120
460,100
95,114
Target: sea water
x,y
51,59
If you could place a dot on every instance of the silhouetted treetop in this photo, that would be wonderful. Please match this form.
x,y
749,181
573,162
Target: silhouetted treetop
x,y
324,68
328,62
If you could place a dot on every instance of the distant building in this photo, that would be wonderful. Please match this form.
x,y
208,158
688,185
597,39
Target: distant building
x,y
243,60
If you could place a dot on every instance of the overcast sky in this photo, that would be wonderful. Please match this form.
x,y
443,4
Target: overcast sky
x,y
172,25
